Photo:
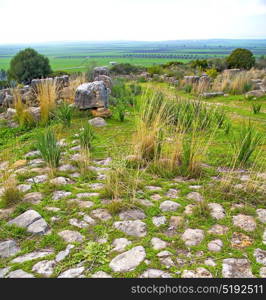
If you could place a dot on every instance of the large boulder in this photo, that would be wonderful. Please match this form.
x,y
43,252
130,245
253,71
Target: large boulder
x,y
91,95
100,71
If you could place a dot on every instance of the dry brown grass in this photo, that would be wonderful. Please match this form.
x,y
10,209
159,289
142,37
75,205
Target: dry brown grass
x,y
47,94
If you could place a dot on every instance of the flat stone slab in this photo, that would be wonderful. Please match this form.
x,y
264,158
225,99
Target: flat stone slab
x,y
101,274
169,206
261,215
215,246
120,244
158,244
8,248
19,274
245,222
44,267
217,211
260,256
71,236
34,198
158,221
154,273
132,214
63,254
57,195
32,256
72,273
236,268
133,228
129,260
192,237
198,273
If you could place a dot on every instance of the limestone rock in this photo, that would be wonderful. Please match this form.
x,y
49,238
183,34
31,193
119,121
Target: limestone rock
x,y
98,122
71,236
133,228
192,237
129,260
8,248
246,223
91,95
236,268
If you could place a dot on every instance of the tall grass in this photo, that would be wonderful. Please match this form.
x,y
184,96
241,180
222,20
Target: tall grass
x,y
24,118
86,137
245,144
49,148
11,194
64,114
46,94
256,107
74,82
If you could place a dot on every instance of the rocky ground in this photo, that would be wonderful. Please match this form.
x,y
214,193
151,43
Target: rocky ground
x,y
66,228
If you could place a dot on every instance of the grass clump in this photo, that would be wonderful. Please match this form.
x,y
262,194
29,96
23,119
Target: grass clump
x,y
256,108
11,194
86,137
46,94
49,148
245,143
64,114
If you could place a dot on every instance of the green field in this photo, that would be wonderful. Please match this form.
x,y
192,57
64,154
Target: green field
x,y
77,56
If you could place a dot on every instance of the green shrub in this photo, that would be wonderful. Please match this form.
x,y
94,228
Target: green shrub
x,y
27,65
241,58
125,69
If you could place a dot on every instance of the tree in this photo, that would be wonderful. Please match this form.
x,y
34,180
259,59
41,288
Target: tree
x,y
27,65
241,59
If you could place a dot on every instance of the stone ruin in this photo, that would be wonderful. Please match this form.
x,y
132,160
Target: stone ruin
x,y
28,92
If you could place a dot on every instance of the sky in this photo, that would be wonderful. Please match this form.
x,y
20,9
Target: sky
x,y
32,21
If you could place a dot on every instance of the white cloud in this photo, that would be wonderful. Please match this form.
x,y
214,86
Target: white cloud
x,y
53,20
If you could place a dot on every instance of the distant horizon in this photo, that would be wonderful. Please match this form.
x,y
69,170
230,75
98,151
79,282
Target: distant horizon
x,y
128,41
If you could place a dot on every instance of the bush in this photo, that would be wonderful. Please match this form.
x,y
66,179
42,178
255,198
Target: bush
x,y
125,69
241,59
212,73
27,65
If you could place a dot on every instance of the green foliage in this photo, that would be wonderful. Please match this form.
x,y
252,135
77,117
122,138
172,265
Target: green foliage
x,y
125,69
27,65
50,150
86,137
188,88
241,58
256,107
64,114
212,73
95,254
199,64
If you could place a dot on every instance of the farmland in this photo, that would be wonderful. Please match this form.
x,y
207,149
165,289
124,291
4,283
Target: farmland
x,y
76,56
